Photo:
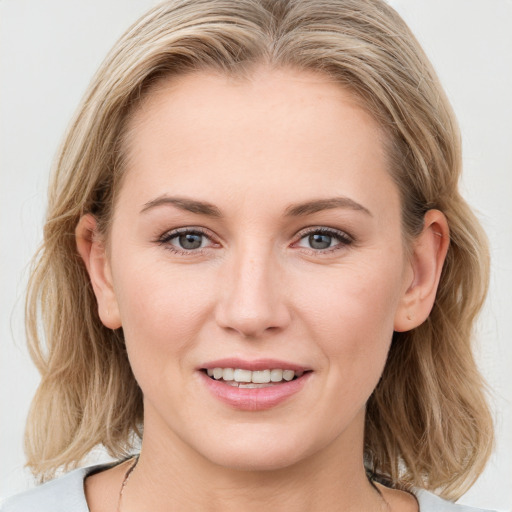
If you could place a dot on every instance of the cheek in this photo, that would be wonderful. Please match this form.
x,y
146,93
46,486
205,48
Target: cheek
x,y
351,311
366,296
161,313
354,328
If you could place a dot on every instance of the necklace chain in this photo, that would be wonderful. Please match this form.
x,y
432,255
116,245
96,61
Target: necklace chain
x,y
125,481
136,460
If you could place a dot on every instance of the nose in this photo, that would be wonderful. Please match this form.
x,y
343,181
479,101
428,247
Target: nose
x,y
253,299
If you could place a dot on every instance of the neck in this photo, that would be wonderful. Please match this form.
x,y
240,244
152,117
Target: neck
x,y
170,475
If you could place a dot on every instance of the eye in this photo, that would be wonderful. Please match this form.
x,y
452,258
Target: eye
x,y
320,241
186,240
324,239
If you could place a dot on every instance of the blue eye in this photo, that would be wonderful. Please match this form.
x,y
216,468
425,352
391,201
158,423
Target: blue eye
x,y
185,240
320,241
323,239
188,241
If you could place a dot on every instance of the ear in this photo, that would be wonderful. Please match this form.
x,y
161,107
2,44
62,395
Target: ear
x,y
428,254
92,250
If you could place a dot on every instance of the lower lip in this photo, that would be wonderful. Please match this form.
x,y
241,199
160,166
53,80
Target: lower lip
x,y
254,399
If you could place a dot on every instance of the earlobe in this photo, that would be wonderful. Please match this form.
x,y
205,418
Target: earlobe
x,y
428,254
92,250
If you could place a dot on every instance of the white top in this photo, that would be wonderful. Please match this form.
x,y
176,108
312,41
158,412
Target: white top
x,y
66,494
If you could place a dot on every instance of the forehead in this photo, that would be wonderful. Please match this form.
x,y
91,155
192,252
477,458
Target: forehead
x,y
295,131
276,96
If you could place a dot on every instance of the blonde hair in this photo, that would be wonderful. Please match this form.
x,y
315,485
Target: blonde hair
x,y
428,423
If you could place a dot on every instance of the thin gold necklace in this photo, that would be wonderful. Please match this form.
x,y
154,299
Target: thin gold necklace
x,y
125,481
136,460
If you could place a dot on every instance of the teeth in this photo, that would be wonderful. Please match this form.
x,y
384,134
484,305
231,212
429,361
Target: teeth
x,y
276,375
236,376
247,385
242,375
228,374
288,374
261,377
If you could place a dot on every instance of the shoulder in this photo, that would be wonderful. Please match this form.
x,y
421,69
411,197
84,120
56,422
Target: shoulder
x,y
64,494
429,502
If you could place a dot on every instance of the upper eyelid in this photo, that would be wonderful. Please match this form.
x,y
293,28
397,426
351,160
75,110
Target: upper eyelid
x,y
314,229
168,235
344,240
172,233
187,229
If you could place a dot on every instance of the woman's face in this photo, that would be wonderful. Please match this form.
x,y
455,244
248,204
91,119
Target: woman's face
x,y
257,229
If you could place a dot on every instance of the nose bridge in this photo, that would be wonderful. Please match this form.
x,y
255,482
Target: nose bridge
x,y
252,301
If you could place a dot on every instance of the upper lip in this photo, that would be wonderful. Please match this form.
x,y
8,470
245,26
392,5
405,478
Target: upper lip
x,y
254,365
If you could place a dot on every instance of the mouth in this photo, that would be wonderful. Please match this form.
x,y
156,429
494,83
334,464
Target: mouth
x,y
252,379
256,385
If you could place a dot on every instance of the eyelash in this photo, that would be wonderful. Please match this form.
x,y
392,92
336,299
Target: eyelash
x,y
166,238
343,239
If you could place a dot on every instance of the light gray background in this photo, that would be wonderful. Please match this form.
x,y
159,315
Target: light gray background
x,y
48,52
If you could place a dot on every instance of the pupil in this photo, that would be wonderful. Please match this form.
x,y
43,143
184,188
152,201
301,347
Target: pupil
x,y
190,241
319,241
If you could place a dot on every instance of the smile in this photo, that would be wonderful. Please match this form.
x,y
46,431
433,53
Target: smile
x,y
241,378
256,385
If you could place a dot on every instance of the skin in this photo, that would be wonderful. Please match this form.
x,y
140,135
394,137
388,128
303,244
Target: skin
x,y
257,289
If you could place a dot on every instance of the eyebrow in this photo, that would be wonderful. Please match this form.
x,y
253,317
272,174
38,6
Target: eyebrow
x,y
296,210
189,205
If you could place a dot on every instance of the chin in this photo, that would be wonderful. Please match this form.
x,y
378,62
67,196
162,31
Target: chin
x,y
256,460
270,452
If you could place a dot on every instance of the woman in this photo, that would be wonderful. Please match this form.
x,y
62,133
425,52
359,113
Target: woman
x,y
256,259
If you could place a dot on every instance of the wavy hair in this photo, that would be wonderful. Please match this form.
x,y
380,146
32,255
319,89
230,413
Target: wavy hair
x,y
427,422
